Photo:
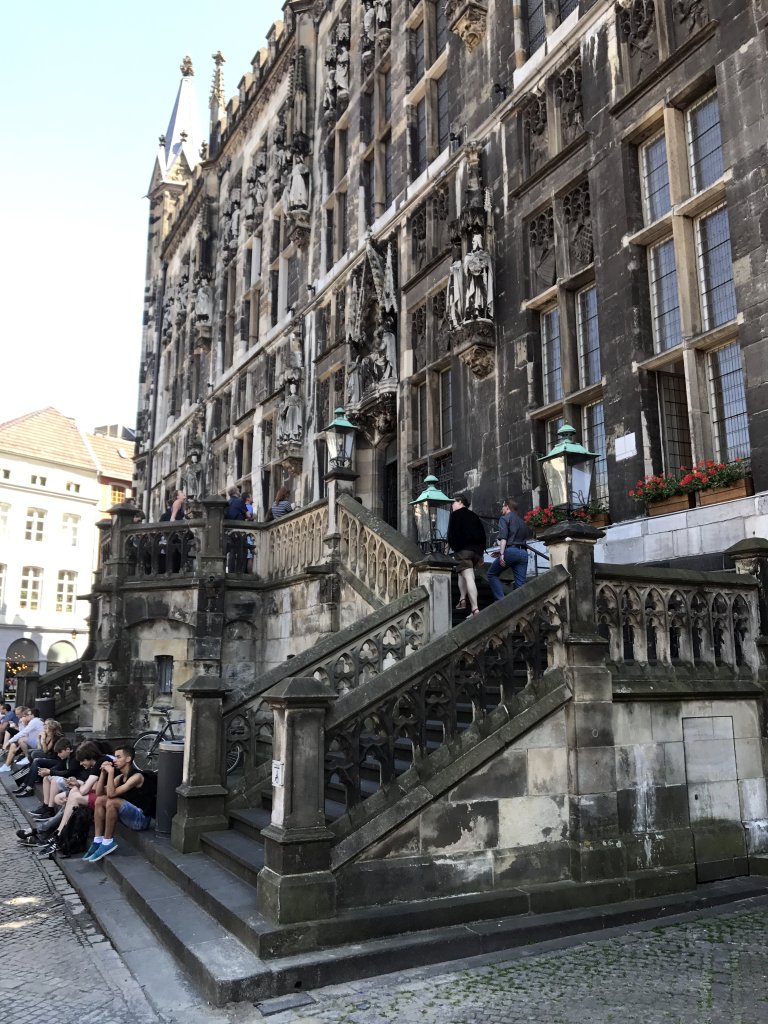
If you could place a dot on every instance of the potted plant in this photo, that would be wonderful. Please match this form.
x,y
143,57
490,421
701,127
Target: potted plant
x,y
543,516
596,513
661,494
719,481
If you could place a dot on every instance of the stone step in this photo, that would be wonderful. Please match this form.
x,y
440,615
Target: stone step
x,y
222,968
251,820
236,852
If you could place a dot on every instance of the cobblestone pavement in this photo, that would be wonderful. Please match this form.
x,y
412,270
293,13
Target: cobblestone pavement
x,y
52,956
710,968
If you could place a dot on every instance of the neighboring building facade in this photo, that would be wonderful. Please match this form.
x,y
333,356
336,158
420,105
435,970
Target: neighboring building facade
x,y
56,483
440,215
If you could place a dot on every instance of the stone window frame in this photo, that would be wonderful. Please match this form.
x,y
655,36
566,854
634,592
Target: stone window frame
x,y
583,339
66,591
681,224
252,282
424,88
740,418
553,16
31,588
600,490
429,450
34,525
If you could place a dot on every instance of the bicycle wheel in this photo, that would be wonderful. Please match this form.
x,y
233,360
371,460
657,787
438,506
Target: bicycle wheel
x,y
145,751
233,757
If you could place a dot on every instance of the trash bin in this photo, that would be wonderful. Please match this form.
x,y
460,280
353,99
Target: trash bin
x,y
46,706
170,769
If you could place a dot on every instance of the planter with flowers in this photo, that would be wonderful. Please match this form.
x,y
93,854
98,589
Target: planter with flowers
x,y
542,517
595,513
718,481
662,494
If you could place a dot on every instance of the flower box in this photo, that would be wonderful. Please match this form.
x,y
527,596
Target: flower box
x,y
677,503
740,489
600,519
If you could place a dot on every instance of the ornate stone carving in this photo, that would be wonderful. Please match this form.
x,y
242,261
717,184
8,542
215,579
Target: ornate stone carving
x,y
535,129
541,233
419,338
383,24
368,37
203,298
569,101
371,330
255,191
418,231
637,28
690,15
468,19
578,219
290,422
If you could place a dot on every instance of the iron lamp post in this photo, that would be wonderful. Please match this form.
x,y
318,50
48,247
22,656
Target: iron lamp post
x,y
340,439
568,471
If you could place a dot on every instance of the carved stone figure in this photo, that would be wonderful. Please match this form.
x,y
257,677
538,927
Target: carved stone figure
x,y
455,290
260,188
342,67
369,23
291,424
468,19
298,198
329,92
478,282
383,14
203,302
193,480
387,351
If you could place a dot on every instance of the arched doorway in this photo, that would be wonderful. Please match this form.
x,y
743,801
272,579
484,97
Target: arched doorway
x,y
60,653
22,661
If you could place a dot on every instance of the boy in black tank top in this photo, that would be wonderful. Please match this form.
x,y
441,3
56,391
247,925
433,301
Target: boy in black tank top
x,y
119,798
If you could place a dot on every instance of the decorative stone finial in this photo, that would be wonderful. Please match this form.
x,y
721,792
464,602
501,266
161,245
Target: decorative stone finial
x,y
186,67
217,86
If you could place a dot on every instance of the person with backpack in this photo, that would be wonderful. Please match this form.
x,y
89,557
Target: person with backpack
x,y
123,794
66,798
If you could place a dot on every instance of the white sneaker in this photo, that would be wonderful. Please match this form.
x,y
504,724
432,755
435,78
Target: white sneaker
x,y
4,769
22,762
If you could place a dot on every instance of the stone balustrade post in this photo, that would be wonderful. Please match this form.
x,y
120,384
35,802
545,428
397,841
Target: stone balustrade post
x,y
337,483
751,559
596,851
434,573
296,882
212,560
202,795
123,517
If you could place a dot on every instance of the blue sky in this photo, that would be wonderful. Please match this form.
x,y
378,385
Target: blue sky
x,y
88,89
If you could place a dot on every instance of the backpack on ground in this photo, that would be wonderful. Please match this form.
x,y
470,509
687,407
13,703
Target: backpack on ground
x,y
73,838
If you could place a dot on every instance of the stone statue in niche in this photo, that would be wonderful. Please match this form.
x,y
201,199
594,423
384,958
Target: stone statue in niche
x,y
368,40
478,281
181,299
291,420
203,301
691,14
329,92
387,350
168,315
260,186
455,291
342,69
383,14
298,196
418,227
280,159
193,478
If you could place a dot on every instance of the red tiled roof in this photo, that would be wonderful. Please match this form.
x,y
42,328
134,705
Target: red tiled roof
x,y
114,456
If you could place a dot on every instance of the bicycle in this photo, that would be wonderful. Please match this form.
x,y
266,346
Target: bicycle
x,y
146,746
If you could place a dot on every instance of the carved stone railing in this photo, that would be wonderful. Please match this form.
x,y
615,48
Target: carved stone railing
x,y
162,549
380,730
674,621
294,542
344,660
380,557
63,684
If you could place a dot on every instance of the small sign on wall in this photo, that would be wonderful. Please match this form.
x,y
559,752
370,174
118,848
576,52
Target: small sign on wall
x,y
278,773
625,447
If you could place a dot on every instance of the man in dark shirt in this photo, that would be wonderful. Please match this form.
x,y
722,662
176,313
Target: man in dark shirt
x,y
236,507
119,798
466,538
514,532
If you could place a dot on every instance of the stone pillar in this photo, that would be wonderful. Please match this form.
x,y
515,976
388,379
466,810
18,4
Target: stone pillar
x,y
337,482
202,794
434,573
596,849
296,882
212,560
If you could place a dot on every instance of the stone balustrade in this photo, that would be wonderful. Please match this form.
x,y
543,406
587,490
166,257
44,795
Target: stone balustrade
x,y
380,557
161,549
667,618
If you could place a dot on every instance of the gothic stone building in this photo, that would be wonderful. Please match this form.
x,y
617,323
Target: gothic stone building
x,y
464,223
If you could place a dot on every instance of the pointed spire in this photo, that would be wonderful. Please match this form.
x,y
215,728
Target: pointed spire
x,y
183,135
217,86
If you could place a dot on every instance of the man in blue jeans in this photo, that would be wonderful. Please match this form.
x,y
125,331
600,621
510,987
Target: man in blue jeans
x,y
514,533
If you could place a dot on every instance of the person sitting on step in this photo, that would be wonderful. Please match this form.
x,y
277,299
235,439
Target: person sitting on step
x,y
121,796
58,762
63,797
27,738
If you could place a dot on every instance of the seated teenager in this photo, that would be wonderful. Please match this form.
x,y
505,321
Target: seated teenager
x,y
121,796
12,728
9,720
26,739
61,762
45,752
64,795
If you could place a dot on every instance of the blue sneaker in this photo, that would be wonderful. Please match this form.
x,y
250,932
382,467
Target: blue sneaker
x,y
104,850
91,850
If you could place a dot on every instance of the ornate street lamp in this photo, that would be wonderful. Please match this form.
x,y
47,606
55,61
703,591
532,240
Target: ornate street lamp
x,y
568,470
340,438
431,511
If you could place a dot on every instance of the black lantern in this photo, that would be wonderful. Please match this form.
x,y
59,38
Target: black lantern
x,y
431,510
340,438
568,470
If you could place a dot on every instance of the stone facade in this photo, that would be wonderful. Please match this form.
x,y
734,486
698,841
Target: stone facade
x,y
434,215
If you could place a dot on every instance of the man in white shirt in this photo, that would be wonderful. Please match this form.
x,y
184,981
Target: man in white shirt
x,y
26,739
